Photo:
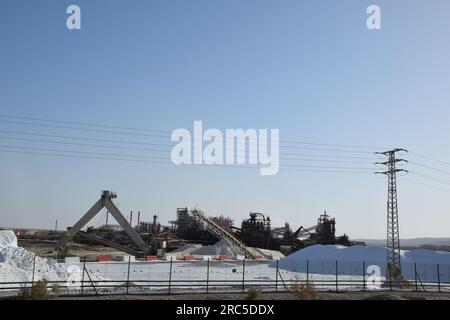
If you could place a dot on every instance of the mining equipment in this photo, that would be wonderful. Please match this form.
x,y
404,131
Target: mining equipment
x,y
238,247
325,232
257,232
140,248
191,228
149,227
194,226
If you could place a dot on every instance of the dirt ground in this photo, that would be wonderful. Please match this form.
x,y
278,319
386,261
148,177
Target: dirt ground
x,y
46,248
280,296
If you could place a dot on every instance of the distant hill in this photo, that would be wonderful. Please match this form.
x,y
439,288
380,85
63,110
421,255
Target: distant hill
x,y
415,242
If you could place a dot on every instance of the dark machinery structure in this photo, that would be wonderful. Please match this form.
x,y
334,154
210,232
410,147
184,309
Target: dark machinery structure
x,y
191,228
149,227
194,226
325,230
257,232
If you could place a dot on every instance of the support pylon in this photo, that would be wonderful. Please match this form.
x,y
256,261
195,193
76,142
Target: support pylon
x,y
393,232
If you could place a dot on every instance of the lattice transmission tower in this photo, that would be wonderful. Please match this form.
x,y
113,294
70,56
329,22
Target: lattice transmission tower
x,y
393,232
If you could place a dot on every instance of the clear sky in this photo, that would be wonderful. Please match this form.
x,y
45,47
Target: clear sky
x,y
310,68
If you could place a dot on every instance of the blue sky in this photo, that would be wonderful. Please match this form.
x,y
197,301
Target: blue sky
x,y
310,68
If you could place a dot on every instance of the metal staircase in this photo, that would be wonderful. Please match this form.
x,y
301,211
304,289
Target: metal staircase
x,y
237,246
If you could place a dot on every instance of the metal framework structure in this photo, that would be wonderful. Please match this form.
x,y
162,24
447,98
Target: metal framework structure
x,y
106,202
393,232
297,234
238,247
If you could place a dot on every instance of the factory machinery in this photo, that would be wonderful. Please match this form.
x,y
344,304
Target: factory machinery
x,y
194,226
144,239
238,247
257,232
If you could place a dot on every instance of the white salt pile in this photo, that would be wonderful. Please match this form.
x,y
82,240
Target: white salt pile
x,y
186,249
322,260
16,263
361,253
7,239
271,254
221,248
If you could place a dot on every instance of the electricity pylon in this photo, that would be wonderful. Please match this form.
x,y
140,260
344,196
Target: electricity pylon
x,y
393,232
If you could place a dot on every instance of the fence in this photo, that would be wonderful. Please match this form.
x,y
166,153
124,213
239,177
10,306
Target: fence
x,y
212,276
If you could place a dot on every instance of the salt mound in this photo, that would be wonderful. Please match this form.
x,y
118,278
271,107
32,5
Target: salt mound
x,y
271,254
320,252
218,249
322,260
16,263
427,256
187,249
7,239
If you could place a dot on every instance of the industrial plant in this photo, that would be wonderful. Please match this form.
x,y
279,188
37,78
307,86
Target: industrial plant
x,y
192,226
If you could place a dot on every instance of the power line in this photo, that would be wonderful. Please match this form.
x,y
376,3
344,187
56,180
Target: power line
x,y
79,156
90,124
159,136
430,177
256,167
425,184
168,151
326,149
328,167
333,145
85,138
153,144
324,160
83,144
83,123
103,156
326,156
429,167
85,152
157,158
82,129
430,158
293,144
326,171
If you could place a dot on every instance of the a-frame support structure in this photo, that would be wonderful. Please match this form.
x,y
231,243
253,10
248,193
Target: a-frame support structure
x,y
106,202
